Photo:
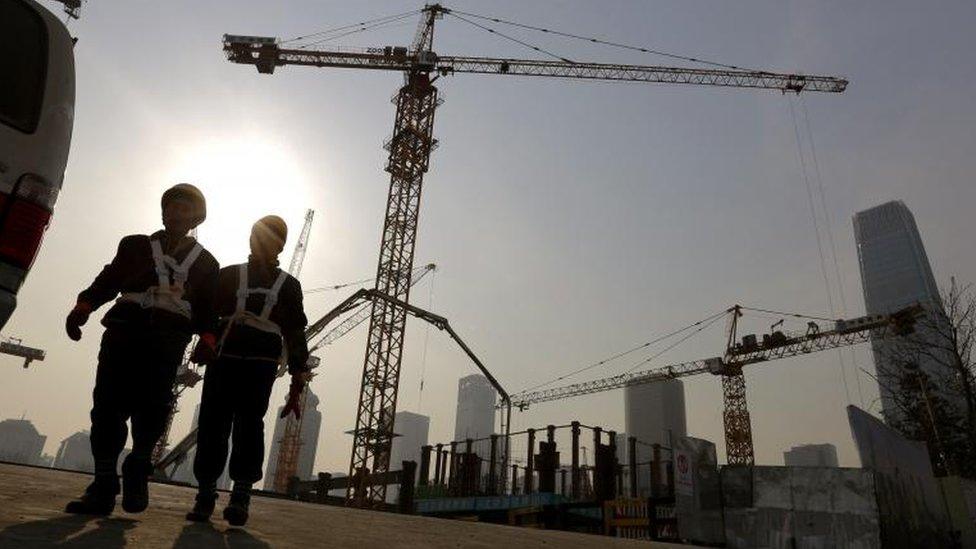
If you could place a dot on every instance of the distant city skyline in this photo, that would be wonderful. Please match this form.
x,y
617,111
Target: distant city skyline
x,y
569,221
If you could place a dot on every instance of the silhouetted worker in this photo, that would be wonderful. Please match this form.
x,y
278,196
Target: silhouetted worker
x,y
164,284
259,305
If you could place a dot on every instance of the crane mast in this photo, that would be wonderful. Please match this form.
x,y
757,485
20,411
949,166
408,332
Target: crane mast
x,y
409,154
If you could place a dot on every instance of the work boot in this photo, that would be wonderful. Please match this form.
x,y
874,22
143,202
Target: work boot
x,y
203,508
98,499
240,500
135,486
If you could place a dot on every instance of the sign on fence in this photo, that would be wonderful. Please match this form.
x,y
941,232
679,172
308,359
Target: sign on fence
x,y
684,476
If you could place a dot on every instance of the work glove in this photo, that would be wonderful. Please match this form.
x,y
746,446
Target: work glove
x,y
206,350
294,402
76,319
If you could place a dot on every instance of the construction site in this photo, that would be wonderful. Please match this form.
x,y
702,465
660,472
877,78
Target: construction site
x,y
596,445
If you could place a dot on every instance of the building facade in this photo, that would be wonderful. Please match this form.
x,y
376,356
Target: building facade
x,y
475,417
895,273
811,455
412,432
74,453
654,413
20,442
309,437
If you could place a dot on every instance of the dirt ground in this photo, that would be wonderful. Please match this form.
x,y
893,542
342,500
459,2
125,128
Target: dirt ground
x,y
32,499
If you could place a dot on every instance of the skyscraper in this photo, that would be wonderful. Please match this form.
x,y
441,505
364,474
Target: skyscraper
x,y
20,442
895,273
411,430
654,413
311,425
475,416
811,455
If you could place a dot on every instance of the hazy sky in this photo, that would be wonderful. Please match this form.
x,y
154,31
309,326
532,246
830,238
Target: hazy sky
x,y
570,220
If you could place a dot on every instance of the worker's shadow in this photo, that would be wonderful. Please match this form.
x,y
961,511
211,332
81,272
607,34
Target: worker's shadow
x,y
203,534
63,531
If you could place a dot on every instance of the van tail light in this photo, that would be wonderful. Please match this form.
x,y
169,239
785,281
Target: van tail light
x,y
24,216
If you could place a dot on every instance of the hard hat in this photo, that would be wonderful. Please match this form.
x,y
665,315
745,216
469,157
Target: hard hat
x,y
271,225
191,193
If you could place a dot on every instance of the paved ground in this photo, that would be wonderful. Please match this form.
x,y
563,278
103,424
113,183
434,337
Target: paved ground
x,y
31,500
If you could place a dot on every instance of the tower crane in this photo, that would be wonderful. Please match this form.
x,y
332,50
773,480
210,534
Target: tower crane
x,y
738,354
409,156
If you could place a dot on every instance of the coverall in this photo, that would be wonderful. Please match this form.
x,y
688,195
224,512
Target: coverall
x,y
143,345
237,386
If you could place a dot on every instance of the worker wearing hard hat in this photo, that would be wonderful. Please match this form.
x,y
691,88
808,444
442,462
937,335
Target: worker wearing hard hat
x,y
163,285
262,323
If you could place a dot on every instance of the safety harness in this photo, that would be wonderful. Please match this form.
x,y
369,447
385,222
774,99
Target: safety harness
x,y
166,295
261,321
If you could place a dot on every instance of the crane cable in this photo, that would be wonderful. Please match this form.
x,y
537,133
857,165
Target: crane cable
x,y
603,42
673,345
351,26
423,356
337,286
781,313
359,29
625,353
816,229
513,39
830,238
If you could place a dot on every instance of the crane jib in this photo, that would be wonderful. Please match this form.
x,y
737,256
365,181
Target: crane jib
x,y
266,56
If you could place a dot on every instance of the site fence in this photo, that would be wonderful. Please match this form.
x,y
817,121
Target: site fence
x,y
492,466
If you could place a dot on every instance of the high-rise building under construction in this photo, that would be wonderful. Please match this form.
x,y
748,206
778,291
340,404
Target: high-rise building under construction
x,y
308,440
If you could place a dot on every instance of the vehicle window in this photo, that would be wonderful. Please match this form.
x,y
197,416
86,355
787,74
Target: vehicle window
x,y
23,65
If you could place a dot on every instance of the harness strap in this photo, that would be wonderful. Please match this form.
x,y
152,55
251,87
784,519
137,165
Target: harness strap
x,y
165,265
272,299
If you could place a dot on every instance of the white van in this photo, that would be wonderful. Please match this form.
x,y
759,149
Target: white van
x,y
37,96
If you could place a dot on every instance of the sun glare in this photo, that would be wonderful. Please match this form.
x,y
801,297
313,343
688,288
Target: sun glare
x,y
243,179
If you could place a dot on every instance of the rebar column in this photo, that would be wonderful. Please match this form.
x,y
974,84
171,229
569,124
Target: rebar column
x,y
514,479
530,462
655,470
424,464
492,471
632,462
452,473
575,469
438,480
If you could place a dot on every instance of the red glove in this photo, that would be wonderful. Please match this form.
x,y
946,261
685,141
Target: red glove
x,y
206,350
294,402
76,319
